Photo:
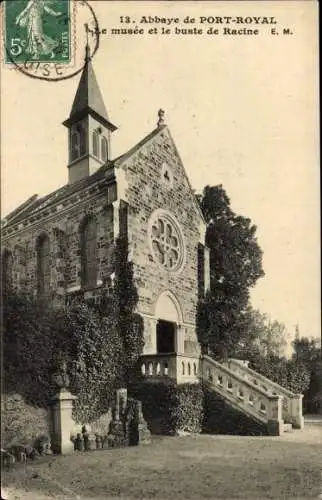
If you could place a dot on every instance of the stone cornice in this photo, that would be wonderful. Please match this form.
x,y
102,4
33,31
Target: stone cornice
x,y
59,209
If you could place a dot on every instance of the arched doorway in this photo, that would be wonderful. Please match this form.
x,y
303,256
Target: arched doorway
x,y
169,317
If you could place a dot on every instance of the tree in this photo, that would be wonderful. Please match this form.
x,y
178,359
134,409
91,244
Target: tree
x,y
235,267
285,372
270,336
307,350
308,353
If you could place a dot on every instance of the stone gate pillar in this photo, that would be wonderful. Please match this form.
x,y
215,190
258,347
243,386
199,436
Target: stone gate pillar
x,y
63,423
296,411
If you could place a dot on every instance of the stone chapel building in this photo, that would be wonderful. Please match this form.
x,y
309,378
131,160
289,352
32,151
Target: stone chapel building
x,y
62,243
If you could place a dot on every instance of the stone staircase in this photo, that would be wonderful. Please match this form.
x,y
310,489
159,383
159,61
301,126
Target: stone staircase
x,y
249,392
270,405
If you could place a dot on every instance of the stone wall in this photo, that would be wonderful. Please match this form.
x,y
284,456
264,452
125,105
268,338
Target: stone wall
x,y
154,179
22,423
221,418
63,231
146,192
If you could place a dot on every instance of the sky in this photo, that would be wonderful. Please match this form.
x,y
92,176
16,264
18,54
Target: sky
x,y
243,111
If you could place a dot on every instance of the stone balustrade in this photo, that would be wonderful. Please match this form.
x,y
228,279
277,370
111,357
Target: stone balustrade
x,y
244,395
291,404
243,388
180,367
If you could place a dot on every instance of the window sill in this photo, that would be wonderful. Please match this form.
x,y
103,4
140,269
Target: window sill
x,y
88,288
76,160
85,288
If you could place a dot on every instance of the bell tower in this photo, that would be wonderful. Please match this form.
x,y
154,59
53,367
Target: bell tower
x,y
89,127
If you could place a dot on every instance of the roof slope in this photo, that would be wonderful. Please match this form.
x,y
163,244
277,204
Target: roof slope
x,y
89,99
139,145
61,193
144,141
34,204
88,94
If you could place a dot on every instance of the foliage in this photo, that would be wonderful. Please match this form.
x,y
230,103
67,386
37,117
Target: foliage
x,y
129,324
100,344
187,412
262,336
28,348
235,267
21,422
308,352
27,358
93,353
36,335
287,373
169,408
271,336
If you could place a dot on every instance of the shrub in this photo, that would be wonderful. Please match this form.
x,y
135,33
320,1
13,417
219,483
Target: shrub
x,y
290,374
169,408
99,345
312,401
28,349
298,376
187,411
20,422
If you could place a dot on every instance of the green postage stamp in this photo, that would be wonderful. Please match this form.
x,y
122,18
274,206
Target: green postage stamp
x,y
37,31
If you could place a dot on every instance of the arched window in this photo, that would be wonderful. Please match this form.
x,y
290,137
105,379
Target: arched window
x,y
43,266
82,138
89,253
95,144
7,270
104,147
75,148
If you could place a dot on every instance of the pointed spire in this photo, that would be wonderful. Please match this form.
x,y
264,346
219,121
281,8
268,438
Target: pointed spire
x,y
88,98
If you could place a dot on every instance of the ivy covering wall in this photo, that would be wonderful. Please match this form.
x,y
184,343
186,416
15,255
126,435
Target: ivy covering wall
x,y
99,343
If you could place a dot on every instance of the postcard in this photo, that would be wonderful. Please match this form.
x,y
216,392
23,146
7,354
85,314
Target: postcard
x,y
160,250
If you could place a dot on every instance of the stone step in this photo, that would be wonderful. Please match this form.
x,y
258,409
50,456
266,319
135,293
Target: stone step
x,y
287,428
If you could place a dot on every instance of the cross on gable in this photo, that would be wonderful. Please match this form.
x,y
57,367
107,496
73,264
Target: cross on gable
x,y
166,175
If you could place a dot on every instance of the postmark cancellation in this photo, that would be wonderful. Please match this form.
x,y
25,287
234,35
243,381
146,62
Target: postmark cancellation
x,y
46,38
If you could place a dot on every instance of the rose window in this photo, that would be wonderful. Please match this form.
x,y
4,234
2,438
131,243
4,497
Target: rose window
x,y
166,242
